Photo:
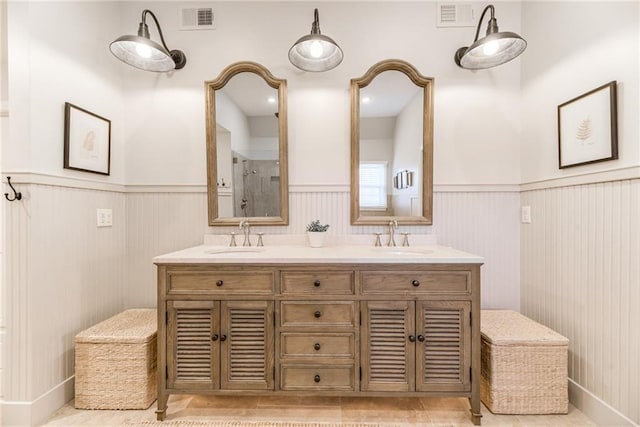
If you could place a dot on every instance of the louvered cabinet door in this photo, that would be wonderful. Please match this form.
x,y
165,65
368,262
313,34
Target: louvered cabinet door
x,y
192,345
388,354
247,353
443,349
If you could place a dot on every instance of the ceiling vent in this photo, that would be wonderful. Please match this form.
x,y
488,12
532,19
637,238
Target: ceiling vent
x,y
196,18
455,14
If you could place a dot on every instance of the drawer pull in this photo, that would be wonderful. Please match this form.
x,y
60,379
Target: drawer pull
x,y
223,338
317,314
316,283
416,283
215,337
420,338
316,346
412,338
219,283
317,378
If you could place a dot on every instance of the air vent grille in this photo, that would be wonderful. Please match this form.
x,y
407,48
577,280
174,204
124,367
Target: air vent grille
x,y
196,18
455,14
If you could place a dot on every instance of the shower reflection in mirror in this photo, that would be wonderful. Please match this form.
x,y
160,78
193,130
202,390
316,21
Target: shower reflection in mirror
x,y
247,149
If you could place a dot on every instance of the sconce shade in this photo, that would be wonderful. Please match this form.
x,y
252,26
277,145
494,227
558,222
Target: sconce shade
x,y
490,51
315,52
143,53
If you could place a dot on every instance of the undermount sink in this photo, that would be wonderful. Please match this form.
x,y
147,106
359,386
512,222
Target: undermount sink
x,y
402,251
234,250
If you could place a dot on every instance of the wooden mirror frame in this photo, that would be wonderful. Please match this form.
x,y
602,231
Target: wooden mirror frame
x,y
427,144
212,190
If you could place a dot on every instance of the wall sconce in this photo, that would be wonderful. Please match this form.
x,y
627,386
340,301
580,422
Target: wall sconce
x,y
494,49
143,53
315,52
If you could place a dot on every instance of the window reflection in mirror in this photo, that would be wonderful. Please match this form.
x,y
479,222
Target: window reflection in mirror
x,y
391,145
247,146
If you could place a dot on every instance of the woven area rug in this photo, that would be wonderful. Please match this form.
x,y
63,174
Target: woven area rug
x,y
188,423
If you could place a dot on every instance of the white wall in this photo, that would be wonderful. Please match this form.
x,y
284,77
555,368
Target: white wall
x,y
49,65
577,49
61,273
579,256
407,154
483,151
3,134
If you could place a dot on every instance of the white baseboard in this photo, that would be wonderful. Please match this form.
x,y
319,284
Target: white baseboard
x,y
595,408
21,413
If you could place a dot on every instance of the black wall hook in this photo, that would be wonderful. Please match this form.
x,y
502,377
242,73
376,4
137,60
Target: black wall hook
x,y
16,194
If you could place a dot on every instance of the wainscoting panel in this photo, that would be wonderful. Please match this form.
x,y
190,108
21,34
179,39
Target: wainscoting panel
x,y
63,274
158,223
485,223
581,276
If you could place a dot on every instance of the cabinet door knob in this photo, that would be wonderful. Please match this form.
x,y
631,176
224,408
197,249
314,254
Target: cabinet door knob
x,y
316,283
420,338
416,283
215,337
316,346
223,338
412,338
219,283
317,314
317,378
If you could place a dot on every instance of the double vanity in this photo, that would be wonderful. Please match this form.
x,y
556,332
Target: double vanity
x,y
348,319
342,320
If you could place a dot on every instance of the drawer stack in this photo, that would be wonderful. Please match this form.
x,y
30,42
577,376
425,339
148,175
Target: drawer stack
x,y
318,318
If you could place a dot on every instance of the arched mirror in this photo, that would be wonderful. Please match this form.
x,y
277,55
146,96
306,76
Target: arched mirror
x,y
246,118
391,145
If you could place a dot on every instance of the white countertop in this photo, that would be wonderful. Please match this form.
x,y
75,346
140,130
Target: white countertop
x,y
331,254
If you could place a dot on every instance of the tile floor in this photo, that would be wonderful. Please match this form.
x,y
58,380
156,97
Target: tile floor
x,y
396,411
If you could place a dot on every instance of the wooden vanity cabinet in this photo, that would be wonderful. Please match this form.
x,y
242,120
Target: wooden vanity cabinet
x,y
219,345
416,346
319,329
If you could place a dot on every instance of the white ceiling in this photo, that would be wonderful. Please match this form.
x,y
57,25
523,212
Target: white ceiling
x,y
250,93
389,92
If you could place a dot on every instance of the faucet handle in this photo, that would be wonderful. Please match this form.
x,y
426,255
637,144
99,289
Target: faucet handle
x,y
405,239
260,239
233,239
378,243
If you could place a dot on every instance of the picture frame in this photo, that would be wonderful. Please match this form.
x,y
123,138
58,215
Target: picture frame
x,y
87,140
588,127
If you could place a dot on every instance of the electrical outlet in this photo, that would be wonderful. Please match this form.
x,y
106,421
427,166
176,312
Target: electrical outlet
x,y
105,217
525,214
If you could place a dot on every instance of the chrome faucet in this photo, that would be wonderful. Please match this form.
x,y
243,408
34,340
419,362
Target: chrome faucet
x,y
244,226
393,225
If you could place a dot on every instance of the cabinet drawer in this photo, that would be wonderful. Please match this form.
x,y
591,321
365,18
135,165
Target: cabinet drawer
x,y
326,313
309,377
419,282
317,283
317,345
227,282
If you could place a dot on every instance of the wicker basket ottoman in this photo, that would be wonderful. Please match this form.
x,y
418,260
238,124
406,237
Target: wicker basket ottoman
x,y
524,365
116,362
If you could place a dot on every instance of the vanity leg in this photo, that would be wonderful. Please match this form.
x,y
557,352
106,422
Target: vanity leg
x,y
161,412
476,415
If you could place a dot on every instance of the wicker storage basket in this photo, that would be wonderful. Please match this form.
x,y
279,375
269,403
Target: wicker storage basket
x,y
524,365
116,362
